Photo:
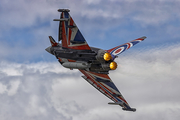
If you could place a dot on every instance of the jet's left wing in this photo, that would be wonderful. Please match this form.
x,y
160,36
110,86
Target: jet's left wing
x,y
121,48
104,84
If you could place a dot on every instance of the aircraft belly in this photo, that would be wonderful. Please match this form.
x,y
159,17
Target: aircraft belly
x,y
68,55
75,55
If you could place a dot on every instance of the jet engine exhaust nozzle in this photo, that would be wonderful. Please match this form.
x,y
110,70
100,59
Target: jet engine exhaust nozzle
x,y
103,56
113,65
107,56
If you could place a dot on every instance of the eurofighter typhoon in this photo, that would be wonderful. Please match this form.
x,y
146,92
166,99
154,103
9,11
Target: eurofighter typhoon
x,y
73,52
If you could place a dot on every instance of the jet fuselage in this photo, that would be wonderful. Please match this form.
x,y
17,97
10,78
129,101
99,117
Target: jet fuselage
x,y
90,59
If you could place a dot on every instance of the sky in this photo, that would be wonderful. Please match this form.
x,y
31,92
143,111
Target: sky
x,y
34,86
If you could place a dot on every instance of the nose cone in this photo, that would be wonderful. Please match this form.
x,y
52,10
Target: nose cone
x,y
48,49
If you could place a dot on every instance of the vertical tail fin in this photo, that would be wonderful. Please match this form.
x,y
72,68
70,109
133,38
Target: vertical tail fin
x,y
69,33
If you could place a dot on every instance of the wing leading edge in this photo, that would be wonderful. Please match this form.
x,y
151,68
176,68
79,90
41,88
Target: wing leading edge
x,y
104,84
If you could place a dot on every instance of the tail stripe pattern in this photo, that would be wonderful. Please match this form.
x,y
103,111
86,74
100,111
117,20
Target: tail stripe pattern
x,y
71,36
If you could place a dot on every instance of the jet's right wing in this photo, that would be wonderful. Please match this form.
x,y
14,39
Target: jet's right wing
x,y
104,84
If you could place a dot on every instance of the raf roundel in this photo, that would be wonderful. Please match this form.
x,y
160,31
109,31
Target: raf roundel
x,y
118,51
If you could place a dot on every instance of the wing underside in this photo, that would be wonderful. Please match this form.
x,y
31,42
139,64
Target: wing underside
x,y
104,84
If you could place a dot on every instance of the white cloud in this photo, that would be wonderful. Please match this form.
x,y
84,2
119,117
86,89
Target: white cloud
x,y
23,13
92,1
148,80
11,69
3,88
14,85
33,109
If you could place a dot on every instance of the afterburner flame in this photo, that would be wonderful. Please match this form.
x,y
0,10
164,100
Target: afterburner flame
x,y
107,56
113,65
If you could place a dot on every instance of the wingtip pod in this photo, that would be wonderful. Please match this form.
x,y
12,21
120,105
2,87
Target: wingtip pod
x,y
144,37
131,109
122,104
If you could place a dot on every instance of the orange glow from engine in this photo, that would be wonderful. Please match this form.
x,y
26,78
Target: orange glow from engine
x,y
113,65
107,56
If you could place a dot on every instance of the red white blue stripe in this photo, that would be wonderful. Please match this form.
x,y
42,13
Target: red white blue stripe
x,y
119,49
107,88
72,37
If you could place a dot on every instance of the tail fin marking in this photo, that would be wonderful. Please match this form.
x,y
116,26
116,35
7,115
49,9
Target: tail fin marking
x,y
71,36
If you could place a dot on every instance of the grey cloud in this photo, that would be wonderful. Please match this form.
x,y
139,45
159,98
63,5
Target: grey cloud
x,y
23,13
149,80
28,95
27,13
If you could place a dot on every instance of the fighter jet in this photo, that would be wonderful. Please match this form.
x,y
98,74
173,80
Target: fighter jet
x,y
73,52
